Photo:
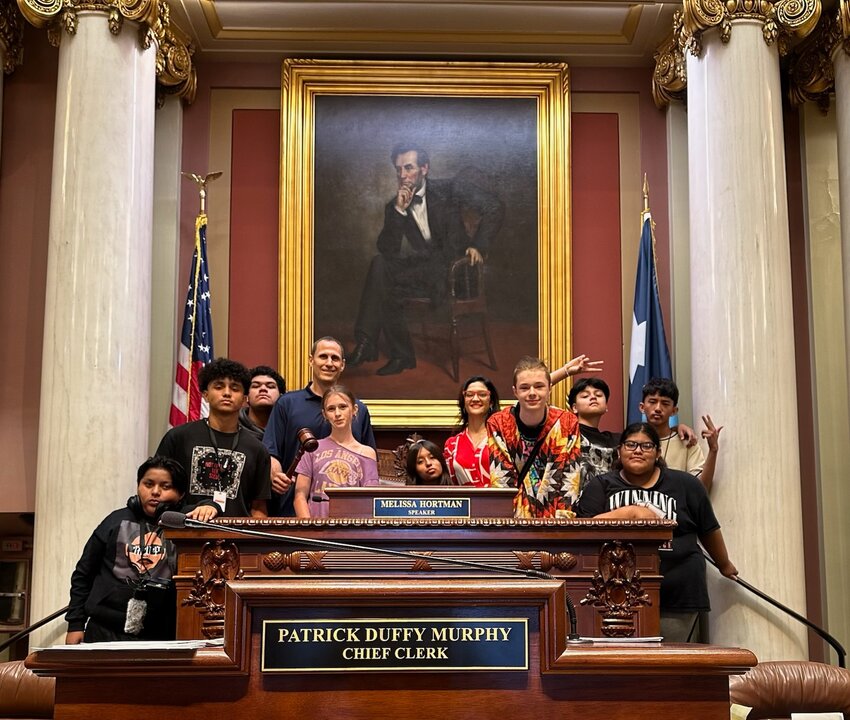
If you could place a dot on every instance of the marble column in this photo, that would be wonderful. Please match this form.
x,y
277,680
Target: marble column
x,y
93,430
166,286
743,355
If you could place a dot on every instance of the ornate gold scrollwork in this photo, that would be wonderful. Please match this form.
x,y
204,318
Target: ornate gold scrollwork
x,y
175,72
11,35
810,71
670,76
781,19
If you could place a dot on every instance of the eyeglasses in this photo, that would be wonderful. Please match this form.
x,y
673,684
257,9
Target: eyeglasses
x,y
470,394
633,445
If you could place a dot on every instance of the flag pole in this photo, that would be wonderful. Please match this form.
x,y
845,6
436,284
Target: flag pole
x,y
201,181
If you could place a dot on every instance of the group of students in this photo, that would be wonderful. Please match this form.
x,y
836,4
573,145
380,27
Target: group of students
x,y
562,465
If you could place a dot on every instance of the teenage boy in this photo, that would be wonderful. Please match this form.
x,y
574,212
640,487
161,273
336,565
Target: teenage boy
x,y
121,588
588,399
303,409
535,447
224,463
266,387
660,403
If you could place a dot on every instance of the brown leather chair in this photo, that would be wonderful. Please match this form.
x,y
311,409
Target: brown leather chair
x,y
776,689
24,694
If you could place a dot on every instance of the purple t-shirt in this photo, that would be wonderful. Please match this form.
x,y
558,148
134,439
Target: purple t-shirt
x,y
332,465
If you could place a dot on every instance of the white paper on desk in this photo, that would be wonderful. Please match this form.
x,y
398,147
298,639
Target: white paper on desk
x,y
140,645
818,716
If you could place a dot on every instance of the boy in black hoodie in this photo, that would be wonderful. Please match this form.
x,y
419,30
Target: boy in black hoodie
x,y
121,588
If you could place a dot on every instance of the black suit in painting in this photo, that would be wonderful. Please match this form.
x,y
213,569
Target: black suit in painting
x,y
460,215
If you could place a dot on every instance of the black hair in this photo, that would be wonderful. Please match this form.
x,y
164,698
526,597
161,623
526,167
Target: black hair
x,y
224,369
664,387
422,157
413,455
270,372
597,383
494,398
634,429
178,474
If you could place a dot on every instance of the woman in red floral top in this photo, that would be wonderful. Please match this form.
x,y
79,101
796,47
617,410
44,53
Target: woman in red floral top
x,y
466,453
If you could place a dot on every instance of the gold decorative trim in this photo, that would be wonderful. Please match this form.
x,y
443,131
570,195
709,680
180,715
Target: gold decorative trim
x,y
303,80
844,23
11,35
811,72
670,76
446,523
781,20
175,72
377,36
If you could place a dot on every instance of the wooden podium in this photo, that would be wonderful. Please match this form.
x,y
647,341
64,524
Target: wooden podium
x,y
654,682
347,634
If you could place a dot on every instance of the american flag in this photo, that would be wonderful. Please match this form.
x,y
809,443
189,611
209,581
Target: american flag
x,y
196,340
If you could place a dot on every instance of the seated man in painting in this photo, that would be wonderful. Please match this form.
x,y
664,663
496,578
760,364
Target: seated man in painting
x,y
427,226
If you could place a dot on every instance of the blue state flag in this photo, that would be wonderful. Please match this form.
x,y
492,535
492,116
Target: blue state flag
x,y
649,356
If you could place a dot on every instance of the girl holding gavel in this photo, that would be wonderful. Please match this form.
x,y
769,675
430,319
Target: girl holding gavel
x,y
339,460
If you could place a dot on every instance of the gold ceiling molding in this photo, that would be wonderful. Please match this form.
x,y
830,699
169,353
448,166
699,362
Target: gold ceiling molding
x,y
174,69
625,36
781,20
11,35
811,71
670,76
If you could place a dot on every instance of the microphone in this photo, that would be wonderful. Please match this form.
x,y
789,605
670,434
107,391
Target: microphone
x,y
177,520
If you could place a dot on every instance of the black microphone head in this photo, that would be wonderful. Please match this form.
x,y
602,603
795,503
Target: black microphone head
x,y
172,519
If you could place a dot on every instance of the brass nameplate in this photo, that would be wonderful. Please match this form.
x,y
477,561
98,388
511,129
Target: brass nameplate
x,y
369,644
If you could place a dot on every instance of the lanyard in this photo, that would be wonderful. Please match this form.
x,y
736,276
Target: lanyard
x,y
226,467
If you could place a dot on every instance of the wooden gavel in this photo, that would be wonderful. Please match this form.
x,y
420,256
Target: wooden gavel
x,y
306,443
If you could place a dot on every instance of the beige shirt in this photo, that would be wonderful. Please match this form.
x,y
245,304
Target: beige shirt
x,y
679,457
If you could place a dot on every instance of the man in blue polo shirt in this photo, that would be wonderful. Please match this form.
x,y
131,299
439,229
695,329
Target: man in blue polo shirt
x,y
303,409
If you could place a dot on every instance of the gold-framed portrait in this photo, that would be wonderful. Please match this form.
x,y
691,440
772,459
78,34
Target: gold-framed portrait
x,y
460,282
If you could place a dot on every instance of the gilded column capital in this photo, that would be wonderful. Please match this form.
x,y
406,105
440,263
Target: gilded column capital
x,y
670,77
175,72
781,19
52,13
843,21
174,69
11,35
811,73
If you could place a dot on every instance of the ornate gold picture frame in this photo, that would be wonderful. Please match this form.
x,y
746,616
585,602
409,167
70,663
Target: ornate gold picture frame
x,y
502,124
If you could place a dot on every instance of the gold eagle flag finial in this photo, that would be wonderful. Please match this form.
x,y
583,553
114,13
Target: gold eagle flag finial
x,y
202,181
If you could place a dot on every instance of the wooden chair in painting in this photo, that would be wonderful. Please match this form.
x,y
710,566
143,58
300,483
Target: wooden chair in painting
x,y
466,305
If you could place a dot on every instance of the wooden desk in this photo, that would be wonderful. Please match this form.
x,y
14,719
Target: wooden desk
x,y
586,554
570,682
